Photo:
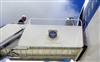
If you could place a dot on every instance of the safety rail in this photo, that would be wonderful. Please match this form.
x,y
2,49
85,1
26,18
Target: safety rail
x,y
51,21
10,39
6,38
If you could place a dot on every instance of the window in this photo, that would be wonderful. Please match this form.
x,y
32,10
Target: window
x,y
96,1
88,12
92,4
85,17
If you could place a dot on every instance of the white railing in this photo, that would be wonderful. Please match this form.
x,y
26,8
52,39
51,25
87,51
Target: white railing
x,y
50,21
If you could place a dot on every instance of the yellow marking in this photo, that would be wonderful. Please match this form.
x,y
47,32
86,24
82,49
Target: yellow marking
x,y
52,34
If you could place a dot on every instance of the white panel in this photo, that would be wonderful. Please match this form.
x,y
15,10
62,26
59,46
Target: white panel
x,y
93,39
35,35
9,30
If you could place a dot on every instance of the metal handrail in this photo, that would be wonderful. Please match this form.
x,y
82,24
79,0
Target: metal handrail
x,y
30,20
2,26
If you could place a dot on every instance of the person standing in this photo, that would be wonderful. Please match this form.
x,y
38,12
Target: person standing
x,y
22,20
70,21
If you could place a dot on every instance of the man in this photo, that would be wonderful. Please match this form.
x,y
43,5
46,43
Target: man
x,y
22,20
70,21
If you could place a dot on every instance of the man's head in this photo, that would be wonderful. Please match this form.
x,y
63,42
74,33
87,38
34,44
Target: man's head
x,y
24,17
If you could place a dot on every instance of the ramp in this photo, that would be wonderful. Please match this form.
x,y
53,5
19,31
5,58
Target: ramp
x,y
39,46
45,42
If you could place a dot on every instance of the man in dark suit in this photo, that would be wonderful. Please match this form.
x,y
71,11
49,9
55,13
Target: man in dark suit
x,y
22,20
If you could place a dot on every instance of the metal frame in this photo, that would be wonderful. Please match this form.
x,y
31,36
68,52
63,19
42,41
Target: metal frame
x,y
29,54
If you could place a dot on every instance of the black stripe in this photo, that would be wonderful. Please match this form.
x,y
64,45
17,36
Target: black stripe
x,y
6,44
18,31
2,26
84,49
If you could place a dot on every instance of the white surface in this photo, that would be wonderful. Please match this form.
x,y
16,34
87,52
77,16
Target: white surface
x,y
35,35
14,45
9,30
49,21
93,39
